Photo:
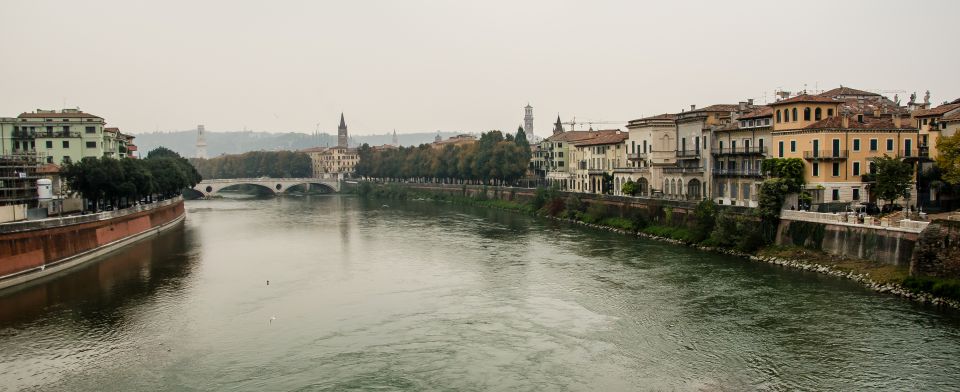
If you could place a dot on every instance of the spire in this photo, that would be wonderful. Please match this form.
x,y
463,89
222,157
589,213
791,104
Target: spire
x,y
558,126
343,124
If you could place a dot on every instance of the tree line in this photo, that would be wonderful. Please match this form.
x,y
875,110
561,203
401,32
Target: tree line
x,y
119,182
277,164
493,158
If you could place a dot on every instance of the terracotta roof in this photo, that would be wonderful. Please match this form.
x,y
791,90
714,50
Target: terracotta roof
x,y
952,117
58,115
844,91
870,105
956,100
939,110
717,108
806,98
613,136
112,129
48,168
763,111
570,136
869,122
314,149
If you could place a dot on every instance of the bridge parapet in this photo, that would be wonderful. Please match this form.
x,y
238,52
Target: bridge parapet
x,y
275,185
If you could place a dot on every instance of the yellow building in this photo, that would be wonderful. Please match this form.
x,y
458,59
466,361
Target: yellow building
x,y
340,161
837,147
596,156
558,163
932,125
651,146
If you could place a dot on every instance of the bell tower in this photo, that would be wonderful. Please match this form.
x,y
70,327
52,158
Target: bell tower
x,y
342,140
528,120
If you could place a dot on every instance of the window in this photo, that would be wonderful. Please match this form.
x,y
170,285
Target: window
x,y
560,164
66,159
836,169
778,116
924,121
793,146
746,191
733,190
766,121
817,114
856,144
806,114
829,112
780,146
856,168
49,159
721,145
49,144
49,129
836,194
816,169
873,168
873,144
733,146
794,114
907,146
91,129
889,144
66,128
786,116
856,193
560,154
91,144
66,144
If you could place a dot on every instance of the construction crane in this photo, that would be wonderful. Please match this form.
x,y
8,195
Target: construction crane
x,y
573,123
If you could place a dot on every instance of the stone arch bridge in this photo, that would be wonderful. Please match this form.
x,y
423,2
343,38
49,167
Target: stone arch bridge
x,y
275,185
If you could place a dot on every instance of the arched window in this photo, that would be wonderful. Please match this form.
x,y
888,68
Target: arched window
x,y
806,114
795,114
816,114
786,115
680,187
666,186
778,116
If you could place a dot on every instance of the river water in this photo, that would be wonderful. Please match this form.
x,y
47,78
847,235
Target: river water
x,y
425,296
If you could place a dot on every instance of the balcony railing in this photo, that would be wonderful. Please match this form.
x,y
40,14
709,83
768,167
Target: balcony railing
x,y
682,170
57,134
742,150
631,169
637,156
737,172
825,154
919,152
694,154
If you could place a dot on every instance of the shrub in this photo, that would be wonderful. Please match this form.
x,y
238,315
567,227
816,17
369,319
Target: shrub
x,y
946,288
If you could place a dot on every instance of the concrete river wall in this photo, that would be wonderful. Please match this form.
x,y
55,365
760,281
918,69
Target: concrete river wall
x,y
32,249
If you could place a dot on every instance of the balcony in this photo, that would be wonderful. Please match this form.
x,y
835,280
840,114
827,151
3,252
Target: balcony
x,y
737,173
631,169
57,134
682,170
637,156
688,154
921,153
825,155
743,150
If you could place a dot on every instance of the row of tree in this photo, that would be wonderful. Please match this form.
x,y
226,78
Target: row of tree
x,y
118,182
278,164
494,157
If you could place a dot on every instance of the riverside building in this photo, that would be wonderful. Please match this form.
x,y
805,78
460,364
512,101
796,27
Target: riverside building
x,y
60,137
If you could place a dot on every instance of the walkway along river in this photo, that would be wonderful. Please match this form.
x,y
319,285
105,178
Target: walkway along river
x,y
425,296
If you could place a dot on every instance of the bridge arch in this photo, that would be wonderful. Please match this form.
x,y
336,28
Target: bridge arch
x,y
275,185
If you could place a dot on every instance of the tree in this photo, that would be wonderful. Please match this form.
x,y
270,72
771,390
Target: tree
x,y
893,178
629,188
948,159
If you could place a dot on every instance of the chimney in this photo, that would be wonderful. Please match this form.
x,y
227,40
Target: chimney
x,y
896,120
876,112
742,106
860,118
693,107
750,102
845,121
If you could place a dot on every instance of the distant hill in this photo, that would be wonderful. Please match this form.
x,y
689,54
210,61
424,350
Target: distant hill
x,y
184,142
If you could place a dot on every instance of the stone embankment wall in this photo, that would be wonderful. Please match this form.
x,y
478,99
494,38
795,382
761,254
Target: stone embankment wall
x,y
938,251
32,244
657,210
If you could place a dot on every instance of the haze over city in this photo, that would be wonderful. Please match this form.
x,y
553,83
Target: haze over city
x,y
471,66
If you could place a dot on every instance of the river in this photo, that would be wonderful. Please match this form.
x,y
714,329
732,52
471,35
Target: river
x,y
423,296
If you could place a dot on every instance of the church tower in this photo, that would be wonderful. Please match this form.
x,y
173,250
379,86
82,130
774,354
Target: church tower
x,y
342,133
201,142
528,120
558,127
396,142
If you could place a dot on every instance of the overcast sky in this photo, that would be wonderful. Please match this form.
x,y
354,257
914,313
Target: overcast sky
x,y
455,65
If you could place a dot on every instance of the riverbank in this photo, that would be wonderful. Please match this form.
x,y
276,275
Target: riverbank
x,y
879,277
34,249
